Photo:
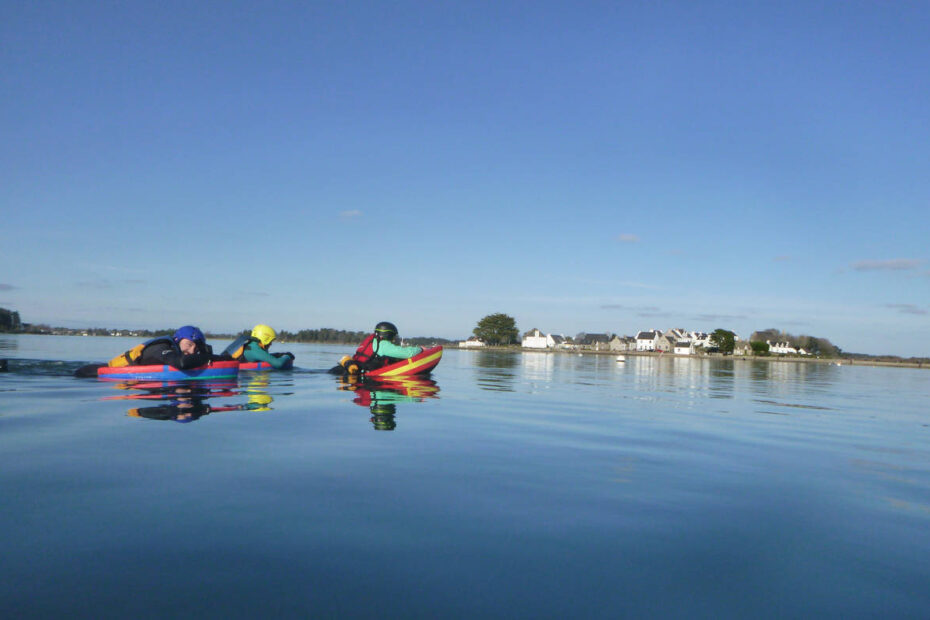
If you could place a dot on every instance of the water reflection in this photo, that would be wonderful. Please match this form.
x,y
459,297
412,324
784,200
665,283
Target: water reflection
x,y
187,401
496,370
382,396
538,365
687,380
256,388
8,344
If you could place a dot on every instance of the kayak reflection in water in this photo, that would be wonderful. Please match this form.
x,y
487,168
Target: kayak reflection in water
x,y
186,402
382,396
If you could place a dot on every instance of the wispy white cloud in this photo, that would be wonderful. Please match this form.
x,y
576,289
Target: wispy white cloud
x,y
894,264
103,283
639,285
631,308
908,309
352,213
627,238
121,268
715,318
653,314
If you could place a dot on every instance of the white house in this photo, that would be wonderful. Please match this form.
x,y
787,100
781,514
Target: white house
x,y
700,339
472,343
785,348
535,339
781,348
684,347
646,341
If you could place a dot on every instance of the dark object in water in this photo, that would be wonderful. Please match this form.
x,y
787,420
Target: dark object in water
x,y
3,366
90,370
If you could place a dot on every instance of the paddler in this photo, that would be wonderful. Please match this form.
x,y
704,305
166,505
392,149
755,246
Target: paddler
x,y
378,349
254,348
187,348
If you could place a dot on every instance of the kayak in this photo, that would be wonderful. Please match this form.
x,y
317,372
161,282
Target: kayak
x,y
420,364
163,372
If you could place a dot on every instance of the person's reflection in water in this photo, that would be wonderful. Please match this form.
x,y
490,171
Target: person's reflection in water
x,y
185,403
257,391
382,416
180,412
188,402
381,396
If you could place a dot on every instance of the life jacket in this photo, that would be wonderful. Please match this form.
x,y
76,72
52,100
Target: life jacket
x,y
366,353
236,350
132,356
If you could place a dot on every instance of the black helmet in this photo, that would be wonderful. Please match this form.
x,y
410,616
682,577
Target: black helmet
x,y
386,331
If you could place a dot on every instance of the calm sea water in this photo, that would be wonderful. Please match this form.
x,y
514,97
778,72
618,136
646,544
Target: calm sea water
x,y
527,485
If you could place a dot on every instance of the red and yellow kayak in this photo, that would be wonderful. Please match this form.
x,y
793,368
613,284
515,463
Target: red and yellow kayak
x,y
420,364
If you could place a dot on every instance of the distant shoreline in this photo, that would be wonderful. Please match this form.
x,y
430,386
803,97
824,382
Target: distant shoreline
x,y
832,361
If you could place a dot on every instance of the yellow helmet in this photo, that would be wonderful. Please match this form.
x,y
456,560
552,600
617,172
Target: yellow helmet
x,y
264,335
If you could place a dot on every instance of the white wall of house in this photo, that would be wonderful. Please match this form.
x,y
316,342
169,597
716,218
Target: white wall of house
x,y
781,348
535,339
646,343
684,348
471,343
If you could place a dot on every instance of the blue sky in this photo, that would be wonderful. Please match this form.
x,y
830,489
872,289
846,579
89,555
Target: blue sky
x,y
580,166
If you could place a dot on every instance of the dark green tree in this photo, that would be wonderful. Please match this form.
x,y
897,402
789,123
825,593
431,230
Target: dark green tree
x,y
724,340
497,329
9,321
759,348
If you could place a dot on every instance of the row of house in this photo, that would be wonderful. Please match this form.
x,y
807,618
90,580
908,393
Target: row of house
x,y
675,340
785,348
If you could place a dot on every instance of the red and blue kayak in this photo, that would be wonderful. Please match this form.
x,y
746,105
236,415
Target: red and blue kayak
x,y
420,364
163,372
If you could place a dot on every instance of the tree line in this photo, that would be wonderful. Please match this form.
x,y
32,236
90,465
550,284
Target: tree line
x,y
811,344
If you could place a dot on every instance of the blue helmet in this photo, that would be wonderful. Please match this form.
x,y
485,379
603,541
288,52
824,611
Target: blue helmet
x,y
190,332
